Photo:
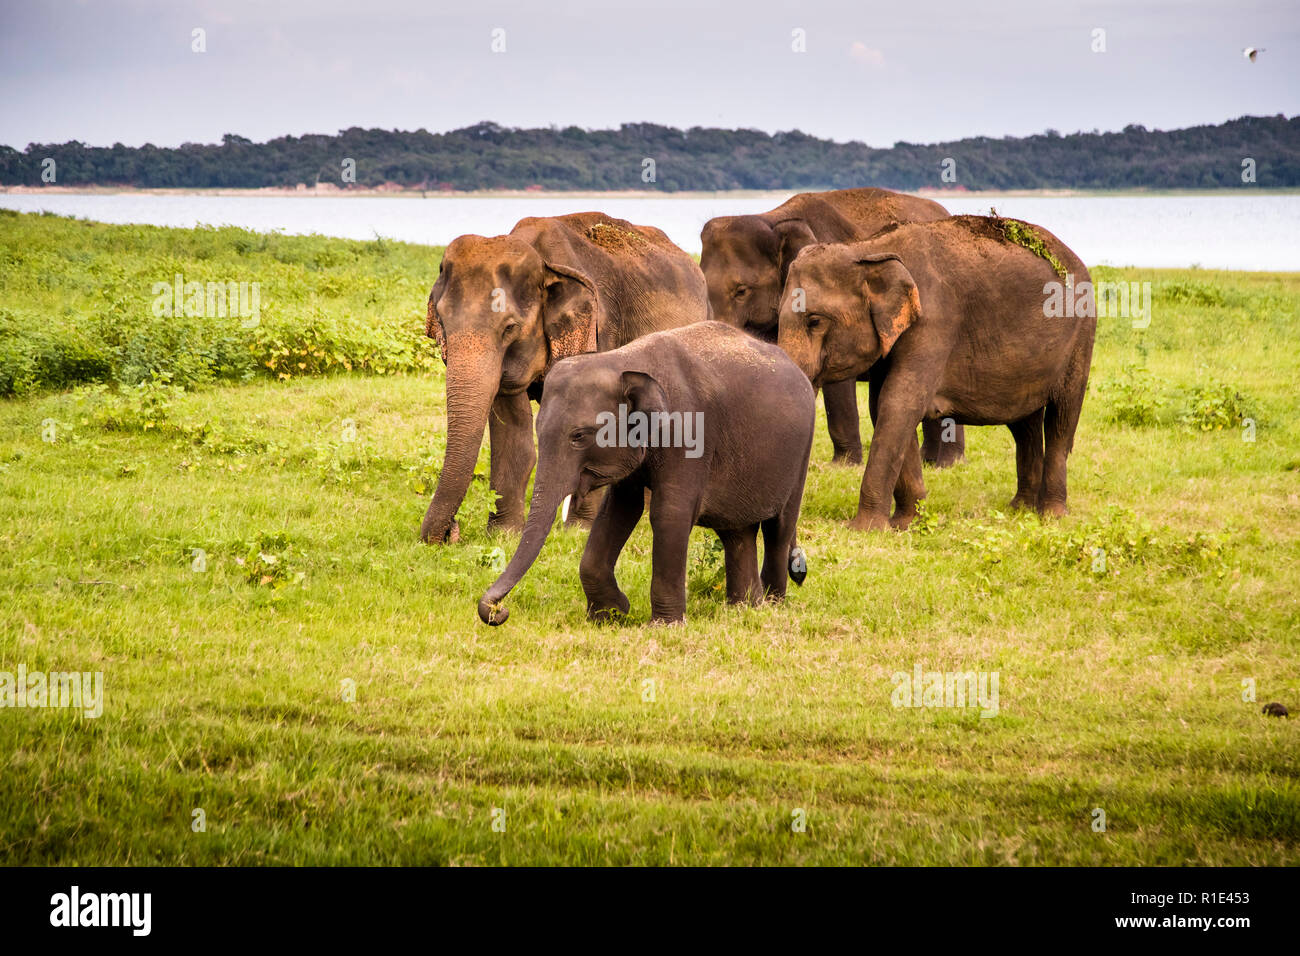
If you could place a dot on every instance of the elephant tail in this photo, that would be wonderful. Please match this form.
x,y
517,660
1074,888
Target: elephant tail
x,y
798,565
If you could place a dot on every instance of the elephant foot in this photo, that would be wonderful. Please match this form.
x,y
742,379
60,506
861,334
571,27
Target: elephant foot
x,y
505,524
902,520
849,456
869,521
1053,509
679,621
1024,502
753,597
946,461
607,610
450,536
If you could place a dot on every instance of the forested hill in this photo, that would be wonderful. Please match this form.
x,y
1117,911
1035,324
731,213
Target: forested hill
x,y
488,156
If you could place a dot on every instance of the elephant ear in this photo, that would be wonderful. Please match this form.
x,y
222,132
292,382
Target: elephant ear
x,y
569,311
793,235
892,297
643,393
432,322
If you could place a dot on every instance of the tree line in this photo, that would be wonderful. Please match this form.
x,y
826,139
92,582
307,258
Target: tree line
x,y
1252,150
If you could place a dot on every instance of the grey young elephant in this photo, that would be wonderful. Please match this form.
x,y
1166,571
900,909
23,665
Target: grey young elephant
x,y
505,309
716,424
746,259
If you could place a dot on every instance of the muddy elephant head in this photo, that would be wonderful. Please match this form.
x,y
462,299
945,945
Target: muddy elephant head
x,y
581,450
745,260
843,310
501,316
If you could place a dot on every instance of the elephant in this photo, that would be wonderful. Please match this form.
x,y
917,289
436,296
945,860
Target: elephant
x,y
953,318
751,413
505,309
745,261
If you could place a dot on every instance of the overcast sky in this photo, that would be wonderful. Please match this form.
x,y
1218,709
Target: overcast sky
x,y
878,71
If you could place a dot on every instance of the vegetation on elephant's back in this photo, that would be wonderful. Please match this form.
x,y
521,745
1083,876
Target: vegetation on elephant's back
x,y
81,302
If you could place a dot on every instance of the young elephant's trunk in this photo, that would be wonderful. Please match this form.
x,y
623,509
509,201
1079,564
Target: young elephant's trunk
x,y
472,382
547,495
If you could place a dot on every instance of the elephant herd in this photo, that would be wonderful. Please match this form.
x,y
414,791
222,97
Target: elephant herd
x,y
943,316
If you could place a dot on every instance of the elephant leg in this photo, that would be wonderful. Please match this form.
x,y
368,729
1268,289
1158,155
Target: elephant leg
x,y
1060,421
938,452
842,421
873,408
613,525
513,456
671,522
1059,424
741,549
909,489
1028,433
779,540
895,414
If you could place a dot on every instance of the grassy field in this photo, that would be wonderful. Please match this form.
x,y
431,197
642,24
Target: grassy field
x,y
233,545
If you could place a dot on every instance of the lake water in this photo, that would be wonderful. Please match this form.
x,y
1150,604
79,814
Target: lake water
x,y
1217,231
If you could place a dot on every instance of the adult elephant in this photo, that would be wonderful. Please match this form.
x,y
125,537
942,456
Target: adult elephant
x,y
959,318
745,261
504,309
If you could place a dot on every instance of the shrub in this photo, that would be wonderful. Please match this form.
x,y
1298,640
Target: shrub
x,y
36,354
1215,407
80,306
1190,292
1134,397
1119,537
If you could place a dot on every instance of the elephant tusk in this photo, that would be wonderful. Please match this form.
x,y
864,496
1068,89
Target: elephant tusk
x,y
564,509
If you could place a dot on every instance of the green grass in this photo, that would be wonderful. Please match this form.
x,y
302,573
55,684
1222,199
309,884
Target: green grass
x,y
1119,690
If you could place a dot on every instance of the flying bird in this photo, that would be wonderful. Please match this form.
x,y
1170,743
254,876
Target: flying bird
x,y
1250,53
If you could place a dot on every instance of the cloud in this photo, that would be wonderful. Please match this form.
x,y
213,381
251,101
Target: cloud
x,y
869,56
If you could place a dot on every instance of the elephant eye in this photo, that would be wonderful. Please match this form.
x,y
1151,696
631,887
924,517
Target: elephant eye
x,y
740,291
816,319
578,437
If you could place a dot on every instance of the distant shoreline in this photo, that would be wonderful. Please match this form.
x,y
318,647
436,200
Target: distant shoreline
x,y
356,192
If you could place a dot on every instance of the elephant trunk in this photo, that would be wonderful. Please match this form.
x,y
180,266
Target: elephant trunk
x,y
548,492
799,348
473,378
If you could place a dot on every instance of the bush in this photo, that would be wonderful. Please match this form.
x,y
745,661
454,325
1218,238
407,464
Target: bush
x,y
1102,545
36,353
80,305
1190,292
1215,407
1134,397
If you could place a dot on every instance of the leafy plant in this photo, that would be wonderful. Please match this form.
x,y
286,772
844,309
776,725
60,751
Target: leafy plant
x,y
1023,234
341,462
270,561
1119,538
1216,406
707,572
1135,398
